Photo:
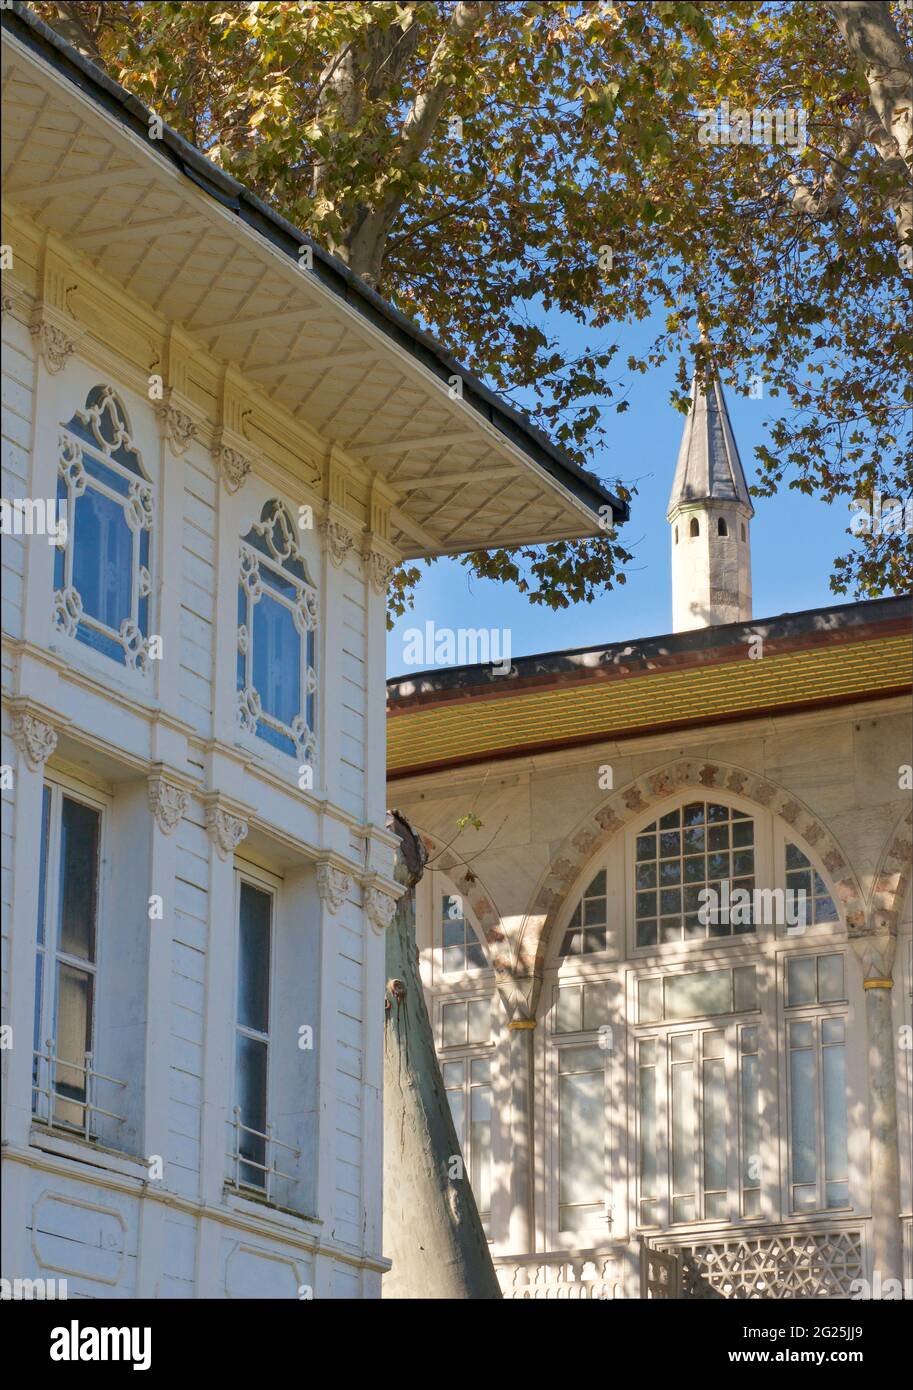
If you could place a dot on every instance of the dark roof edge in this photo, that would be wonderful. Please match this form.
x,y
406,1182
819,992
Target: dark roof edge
x,y
333,273
837,617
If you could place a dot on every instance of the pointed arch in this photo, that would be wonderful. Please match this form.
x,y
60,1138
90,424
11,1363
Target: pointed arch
x,y
624,805
892,877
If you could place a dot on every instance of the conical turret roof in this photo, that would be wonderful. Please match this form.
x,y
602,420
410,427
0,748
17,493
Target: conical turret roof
x,y
709,467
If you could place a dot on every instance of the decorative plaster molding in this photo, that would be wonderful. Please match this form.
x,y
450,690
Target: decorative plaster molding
x,y
379,567
226,828
333,885
35,739
340,541
233,466
379,907
55,338
168,802
177,426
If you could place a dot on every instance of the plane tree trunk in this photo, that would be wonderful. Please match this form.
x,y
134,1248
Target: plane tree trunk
x,y
432,1229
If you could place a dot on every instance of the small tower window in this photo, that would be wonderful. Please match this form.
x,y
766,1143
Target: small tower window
x,y
744,537
721,528
695,526
676,535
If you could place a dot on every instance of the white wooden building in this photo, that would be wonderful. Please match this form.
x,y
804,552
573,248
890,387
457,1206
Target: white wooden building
x,y
647,1099
239,439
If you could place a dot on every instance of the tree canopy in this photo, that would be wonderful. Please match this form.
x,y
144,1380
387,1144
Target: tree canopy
x,y
484,165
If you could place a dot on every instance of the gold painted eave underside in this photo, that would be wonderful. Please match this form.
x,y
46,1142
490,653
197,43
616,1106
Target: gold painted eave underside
x,y
476,729
118,206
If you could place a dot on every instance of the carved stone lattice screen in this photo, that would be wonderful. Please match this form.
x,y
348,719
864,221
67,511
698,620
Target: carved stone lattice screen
x,y
816,1264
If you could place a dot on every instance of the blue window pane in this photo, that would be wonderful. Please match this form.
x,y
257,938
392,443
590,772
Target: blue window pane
x,y
277,739
144,548
142,616
103,559
277,659
100,643
250,1097
279,583
253,958
116,481
242,606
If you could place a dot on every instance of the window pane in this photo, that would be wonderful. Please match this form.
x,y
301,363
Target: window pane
x,y
479,1020
277,659
73,1039
684,1146
595,1005
833,1062
453,1025
250,1096
745,982
803,1109
480,1146
79,836
749,1098
457,1102
103,558
569,1010
800,981
830,979
714,1126
649,1000
453,1073
705,992
253,959
581,1143
647,1107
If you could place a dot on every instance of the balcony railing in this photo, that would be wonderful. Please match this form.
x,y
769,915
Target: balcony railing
x,y
602,1273
269,1169
58,1100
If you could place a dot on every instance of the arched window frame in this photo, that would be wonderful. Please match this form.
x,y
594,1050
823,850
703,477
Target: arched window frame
x,y
443,887
273,569
764,1016
694,528
97,457
722,527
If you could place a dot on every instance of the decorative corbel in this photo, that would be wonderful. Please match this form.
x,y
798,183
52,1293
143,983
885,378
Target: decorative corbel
x,y
380,906
333,885
35,739
56,332
226,824
168,801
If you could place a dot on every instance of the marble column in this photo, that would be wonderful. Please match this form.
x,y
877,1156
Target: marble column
x,y
521,1229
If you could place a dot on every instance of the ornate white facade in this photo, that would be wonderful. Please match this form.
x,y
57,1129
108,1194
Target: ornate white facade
x,y
197,877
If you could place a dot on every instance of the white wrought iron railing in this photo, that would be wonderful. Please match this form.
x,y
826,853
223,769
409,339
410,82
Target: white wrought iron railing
x,y
269,1169
52,1105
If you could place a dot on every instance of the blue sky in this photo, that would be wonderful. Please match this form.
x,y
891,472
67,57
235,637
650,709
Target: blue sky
x,y
793,538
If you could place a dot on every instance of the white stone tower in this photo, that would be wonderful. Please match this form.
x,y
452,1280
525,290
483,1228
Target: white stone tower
x,y
709,516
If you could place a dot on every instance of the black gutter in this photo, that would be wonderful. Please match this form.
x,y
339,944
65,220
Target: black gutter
x,y
640,653
35,35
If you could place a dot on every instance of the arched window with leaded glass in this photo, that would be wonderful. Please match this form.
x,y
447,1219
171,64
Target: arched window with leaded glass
x,y
277,631
102,568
